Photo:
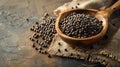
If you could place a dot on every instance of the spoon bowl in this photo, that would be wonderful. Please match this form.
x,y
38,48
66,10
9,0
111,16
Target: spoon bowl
x,y
101,15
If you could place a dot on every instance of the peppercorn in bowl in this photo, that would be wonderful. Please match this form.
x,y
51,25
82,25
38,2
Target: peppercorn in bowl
x,y
81,27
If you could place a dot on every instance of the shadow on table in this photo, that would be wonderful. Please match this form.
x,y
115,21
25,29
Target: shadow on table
x,y
114,25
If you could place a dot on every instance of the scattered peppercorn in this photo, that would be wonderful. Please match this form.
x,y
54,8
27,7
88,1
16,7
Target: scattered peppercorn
x,y
36,48
46,52
59,50
66,50
49,55
71,54
59,43
33,45
27,20
44,33
37,23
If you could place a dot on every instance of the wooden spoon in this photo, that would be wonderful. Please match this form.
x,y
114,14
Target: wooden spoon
x,y
102,15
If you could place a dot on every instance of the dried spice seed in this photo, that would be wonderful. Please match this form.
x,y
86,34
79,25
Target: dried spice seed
x,y
32,39
36,48
49,55
71,54
39,51
37,41
35,36
44,33
37,31
33,45
43,52
40,48
46,14
78,4
31,29
46,52
41,43
66,50
59,50
84,25
37,23
45,46
59,43
27,20
76,7
72,7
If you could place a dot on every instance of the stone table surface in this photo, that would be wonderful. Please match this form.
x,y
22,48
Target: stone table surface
x,y
15,47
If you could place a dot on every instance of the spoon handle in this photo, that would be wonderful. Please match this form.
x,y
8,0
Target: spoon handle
x,y
114,7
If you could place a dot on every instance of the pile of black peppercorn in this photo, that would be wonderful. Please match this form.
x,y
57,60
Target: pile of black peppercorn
x,y
44,33
80,25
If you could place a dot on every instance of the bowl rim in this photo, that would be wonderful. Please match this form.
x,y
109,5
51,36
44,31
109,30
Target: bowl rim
x,y
103,31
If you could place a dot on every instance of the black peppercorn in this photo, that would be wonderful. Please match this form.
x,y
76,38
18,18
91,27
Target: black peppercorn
x,y
31,29
36,48
37,23
59,43
59,50
27,20
40,48
66,50
44,33
71,54
84,25
39,51
33,45
46,52
49,55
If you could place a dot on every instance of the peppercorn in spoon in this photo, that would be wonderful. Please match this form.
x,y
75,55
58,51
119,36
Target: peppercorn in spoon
x,y
101,15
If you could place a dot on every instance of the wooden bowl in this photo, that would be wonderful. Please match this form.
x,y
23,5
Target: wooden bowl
x,y
82,41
